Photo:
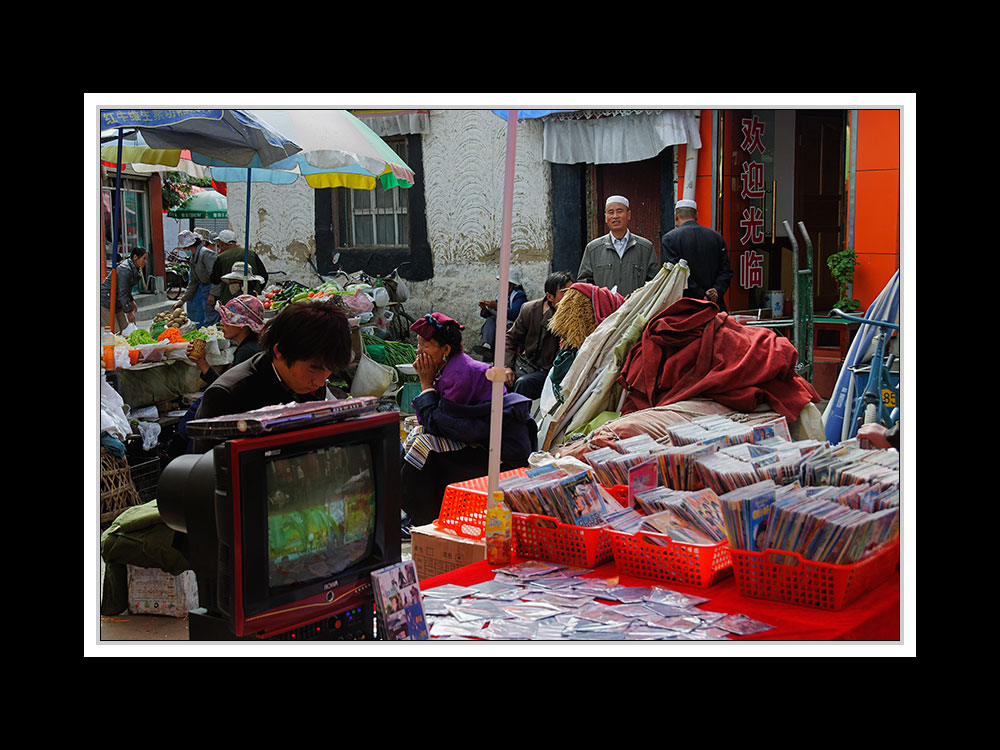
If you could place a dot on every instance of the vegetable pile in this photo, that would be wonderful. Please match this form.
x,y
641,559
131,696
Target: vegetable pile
x,y
172,335
140,336
390,353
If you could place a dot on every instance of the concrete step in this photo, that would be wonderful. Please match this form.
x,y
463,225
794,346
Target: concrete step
x,y
149,305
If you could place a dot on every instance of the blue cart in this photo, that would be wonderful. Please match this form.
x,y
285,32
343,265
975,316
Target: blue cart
x,y
876,387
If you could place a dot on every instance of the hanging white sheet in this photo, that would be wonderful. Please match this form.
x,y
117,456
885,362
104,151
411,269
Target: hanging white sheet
x,y
624,137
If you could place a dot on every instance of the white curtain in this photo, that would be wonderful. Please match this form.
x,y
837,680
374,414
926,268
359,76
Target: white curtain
x,y
622,137
397,123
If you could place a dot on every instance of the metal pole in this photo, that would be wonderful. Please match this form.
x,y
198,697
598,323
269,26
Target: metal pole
x,y
115,220
246,238
804,323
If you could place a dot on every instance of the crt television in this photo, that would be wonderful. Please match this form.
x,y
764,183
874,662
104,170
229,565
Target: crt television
x,y
283,530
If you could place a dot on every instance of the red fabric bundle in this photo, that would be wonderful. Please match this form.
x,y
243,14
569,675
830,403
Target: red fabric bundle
x,y
692,350
605,301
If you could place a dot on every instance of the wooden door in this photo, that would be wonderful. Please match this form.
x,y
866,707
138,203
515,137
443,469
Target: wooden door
x,y
819,194
639,181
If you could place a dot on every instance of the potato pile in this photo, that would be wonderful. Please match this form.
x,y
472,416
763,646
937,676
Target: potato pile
x,y
173,318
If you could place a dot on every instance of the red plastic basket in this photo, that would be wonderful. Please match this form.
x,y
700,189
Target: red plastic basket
x,y
545,538
620,493
789,577
640,554
463,507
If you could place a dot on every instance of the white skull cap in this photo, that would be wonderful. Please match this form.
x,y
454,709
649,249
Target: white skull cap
x,y
617,199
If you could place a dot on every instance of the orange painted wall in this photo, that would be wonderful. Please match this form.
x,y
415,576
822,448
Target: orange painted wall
x,y
703,182
876,202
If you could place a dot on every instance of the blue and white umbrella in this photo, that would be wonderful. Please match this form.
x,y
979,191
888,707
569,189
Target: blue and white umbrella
x,y
231,136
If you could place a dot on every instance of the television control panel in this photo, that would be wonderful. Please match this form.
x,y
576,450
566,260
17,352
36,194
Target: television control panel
x,y
355,624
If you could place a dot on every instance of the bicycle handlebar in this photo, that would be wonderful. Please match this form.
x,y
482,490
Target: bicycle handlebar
x,y
884,324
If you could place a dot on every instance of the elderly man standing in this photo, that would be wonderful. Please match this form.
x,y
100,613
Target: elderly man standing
x,y
620,261
229,254
704,249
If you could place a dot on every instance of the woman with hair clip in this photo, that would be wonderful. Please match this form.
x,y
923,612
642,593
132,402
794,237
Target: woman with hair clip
x,y
451,441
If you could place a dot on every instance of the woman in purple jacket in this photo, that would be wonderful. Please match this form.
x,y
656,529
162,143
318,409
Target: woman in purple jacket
x,y
451,442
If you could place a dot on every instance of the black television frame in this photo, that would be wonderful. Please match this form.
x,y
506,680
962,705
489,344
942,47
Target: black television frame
x,y
325,608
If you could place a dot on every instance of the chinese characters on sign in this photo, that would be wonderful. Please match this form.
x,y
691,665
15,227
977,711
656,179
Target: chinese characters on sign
x,y
752,187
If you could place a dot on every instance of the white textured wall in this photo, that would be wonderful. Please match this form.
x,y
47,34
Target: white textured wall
x,y
464,161
463,177
282,225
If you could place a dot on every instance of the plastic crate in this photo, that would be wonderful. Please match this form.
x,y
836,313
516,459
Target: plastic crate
x,y
463,507
657,556
620,493
788,577
545,538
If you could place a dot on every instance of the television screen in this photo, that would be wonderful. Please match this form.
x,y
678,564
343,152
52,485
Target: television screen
x,y
321,512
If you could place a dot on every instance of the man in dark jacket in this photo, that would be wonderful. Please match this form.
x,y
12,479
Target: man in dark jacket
x,y
703,249
230,253
531,346
300,348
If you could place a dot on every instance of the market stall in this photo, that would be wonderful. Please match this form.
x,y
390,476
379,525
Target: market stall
x,y
726,527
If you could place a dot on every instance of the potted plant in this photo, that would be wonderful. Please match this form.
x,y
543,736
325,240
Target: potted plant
x,y
841,265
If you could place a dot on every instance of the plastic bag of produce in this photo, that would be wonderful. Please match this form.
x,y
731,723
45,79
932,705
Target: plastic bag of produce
x,y
371,378
358,303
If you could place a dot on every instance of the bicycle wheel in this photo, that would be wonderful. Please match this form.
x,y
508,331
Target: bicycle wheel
x,y
399,328
173,285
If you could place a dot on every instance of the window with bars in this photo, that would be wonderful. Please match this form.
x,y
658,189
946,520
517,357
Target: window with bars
x,y
375,218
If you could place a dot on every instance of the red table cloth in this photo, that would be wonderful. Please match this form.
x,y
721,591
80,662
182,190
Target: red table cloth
x,y
874,616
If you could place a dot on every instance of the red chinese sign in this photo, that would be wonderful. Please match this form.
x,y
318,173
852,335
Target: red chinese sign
x,y
752,187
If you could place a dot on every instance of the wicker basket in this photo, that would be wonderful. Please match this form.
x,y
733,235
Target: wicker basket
x,y
117,489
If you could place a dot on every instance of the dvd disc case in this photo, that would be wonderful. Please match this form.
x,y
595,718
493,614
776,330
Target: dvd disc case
x,y
281,417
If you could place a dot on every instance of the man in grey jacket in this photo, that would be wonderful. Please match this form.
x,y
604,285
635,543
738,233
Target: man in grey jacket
x,y
619,260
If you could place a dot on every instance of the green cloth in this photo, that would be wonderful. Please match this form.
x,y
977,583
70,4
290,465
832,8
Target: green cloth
x,y
560,366
136,537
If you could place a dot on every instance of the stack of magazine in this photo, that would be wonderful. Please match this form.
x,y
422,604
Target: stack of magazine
x,y
825,531
677,465
715,428
611,467
689,517
743,465
745,511
576,499
848,463
817,523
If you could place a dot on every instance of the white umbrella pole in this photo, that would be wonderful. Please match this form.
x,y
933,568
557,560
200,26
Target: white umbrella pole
x,y
500,342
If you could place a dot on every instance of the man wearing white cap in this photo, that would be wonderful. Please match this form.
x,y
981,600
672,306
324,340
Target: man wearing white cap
x,y
196,295
229,255
619,260
516,297
703,249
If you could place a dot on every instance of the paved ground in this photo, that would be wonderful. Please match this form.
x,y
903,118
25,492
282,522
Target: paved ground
x,y
156,628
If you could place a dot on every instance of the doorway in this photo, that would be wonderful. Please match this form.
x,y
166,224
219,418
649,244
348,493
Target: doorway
x,y
820,174
799,159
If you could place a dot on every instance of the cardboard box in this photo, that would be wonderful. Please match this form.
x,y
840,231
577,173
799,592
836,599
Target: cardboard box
x,y
435,551
152,591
